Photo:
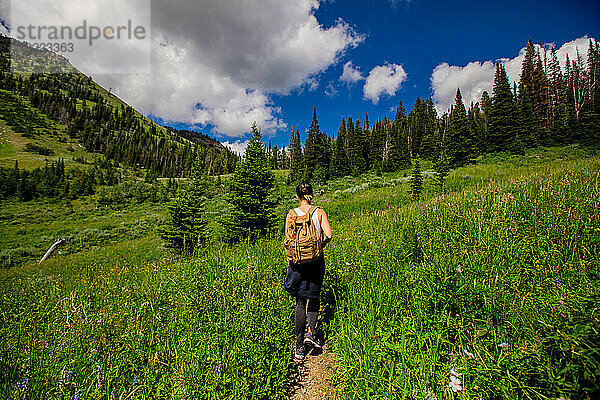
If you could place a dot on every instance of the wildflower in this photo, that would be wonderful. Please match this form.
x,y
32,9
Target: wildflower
x,y
459,268
21,385
454,373
67,376
347,263
468,354
503,345
135,380
144,304
455,384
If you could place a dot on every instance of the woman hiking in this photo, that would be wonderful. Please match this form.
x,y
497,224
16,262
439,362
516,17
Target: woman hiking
x,y
307,232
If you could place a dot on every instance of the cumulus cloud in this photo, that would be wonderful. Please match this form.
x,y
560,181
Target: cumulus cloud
x,y
472,79
476,77
351,74
238,147
217,62
383,80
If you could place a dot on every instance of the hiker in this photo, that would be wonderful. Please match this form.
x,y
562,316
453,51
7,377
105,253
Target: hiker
x,y
306,265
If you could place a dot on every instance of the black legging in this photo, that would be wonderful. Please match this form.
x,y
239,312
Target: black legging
x,y
300,317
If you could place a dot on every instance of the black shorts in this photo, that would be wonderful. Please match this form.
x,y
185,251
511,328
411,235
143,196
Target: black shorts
x,y
305,280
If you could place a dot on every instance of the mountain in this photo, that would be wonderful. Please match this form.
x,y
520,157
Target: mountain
x,y
65,114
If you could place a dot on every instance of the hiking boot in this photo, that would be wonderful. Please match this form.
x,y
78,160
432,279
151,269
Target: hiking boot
x,y
300,353
311,340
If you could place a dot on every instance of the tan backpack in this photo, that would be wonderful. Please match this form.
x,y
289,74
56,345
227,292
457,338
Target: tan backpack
x,y
302,242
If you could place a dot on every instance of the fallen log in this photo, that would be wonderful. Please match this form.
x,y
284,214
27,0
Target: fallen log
x,y
52,248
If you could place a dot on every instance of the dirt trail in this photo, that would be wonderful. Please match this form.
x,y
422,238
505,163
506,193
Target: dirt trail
x,y
315,380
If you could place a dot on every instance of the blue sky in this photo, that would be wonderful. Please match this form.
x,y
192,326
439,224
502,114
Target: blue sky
x,y
219,65
419,35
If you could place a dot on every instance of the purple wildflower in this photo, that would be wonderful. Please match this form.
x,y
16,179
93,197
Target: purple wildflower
x,y
21,385
67,376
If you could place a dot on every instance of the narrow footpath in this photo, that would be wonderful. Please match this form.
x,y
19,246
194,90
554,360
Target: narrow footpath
x,y
315,376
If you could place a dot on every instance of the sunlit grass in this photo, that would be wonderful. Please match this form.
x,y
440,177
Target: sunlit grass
x,y
496,280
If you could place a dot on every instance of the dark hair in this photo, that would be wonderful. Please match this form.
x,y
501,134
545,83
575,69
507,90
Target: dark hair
x,y
304,191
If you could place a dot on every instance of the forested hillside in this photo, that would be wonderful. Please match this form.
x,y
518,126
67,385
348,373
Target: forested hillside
x,y
71,107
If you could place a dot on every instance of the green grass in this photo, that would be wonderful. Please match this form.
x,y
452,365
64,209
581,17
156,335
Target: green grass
x,y
497,279
12,145
27,230
419,288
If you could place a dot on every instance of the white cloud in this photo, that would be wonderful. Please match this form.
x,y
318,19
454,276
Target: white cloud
x,y
330,90
228,57
383,80
237,147
351,74
472,79
476,77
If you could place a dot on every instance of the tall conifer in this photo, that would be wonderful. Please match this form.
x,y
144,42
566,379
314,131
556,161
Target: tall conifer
x,y
503,121
251,214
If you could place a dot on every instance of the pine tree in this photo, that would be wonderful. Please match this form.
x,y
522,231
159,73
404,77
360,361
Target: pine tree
x,y
251,213
311,148
321,172
275,158
459,139
540,99
296,162
186,228
366,143
428,139
355,148
528,129
416,181
483,138
590,120
376,146
503,121
339,160
397,154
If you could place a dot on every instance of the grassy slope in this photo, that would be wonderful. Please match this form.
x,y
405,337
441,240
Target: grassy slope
x,y
53,136
509,256
443,283
12,146
27,230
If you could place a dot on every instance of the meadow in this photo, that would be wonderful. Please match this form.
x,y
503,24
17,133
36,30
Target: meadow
x,y
489,290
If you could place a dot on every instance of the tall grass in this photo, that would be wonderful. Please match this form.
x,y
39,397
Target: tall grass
x,y
499,282
215,327
496,281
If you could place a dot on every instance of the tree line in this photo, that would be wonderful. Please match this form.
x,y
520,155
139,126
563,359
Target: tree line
x,y
548,106
53,181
